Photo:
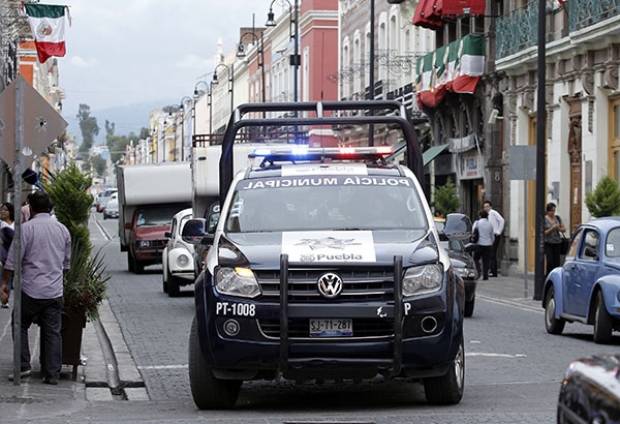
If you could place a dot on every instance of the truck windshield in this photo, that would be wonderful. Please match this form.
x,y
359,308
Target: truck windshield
x,y
157,216
325,203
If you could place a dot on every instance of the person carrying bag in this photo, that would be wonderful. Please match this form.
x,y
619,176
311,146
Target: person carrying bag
x,y
556,243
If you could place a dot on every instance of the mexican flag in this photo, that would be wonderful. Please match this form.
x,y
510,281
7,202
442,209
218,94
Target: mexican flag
x,y
455,68
47,23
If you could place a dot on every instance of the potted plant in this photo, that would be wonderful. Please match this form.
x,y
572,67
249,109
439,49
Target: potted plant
x,y
605,199
85,282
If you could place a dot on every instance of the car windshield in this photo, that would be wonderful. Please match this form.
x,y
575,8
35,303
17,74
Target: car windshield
x,y
156,216
612,246
325,203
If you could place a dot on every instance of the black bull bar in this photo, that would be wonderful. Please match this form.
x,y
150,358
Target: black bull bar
x,y
398,316
238,122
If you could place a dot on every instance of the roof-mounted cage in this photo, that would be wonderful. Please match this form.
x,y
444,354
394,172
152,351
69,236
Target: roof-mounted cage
x,y
381,113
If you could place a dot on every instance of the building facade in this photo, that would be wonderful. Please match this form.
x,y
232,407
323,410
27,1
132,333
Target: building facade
x,y
582,103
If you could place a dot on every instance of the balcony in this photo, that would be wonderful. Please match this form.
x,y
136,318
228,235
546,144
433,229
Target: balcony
x,y
517,31
584,13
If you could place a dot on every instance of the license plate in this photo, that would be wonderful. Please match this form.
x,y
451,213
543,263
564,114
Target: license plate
x,y
331,327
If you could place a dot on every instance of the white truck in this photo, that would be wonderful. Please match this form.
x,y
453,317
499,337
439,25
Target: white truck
x,y
148,197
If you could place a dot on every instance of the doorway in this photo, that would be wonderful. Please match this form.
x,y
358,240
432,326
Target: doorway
x,y
576,171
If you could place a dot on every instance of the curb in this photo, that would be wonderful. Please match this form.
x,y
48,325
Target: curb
x,y
110,365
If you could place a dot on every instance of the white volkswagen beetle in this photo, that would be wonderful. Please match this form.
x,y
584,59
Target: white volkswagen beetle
x,y
177,257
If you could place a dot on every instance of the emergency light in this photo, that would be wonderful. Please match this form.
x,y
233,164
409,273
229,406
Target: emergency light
x,y
305,153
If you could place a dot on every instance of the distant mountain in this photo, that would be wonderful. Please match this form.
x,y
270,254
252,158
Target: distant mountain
x,y
128,119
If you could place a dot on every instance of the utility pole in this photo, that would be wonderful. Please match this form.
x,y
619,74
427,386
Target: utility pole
x,y
541,124
371,70
296,53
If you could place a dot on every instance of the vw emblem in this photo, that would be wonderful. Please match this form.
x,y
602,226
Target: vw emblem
x,y
330,285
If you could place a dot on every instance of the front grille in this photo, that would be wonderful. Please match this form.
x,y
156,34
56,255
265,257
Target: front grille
x,y
158,244
358,286
300,328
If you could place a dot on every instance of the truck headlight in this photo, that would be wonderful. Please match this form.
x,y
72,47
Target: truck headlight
x,y
239,282
422,280
465,272
143,244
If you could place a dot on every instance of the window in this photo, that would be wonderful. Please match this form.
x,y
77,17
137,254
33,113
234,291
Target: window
x,y
574,245
174,227
589,251
614,140
612,246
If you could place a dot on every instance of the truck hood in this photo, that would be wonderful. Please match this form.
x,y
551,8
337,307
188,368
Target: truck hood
x,y
367,248
151,232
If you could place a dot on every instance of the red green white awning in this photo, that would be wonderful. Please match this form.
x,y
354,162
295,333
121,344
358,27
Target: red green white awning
x,y
47,23
433,13
455,68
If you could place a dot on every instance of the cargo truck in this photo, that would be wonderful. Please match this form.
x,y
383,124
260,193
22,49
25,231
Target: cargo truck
x,y
148,197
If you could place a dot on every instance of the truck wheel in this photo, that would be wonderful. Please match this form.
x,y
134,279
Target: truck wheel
x,y
173,287
448,389
603,325
208,392
164,283
138,267
553,325
469,307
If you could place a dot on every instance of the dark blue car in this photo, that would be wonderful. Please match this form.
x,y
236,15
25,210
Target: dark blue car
x,y
586,288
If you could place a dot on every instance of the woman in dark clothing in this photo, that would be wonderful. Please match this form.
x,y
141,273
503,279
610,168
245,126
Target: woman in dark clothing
x,y
553,238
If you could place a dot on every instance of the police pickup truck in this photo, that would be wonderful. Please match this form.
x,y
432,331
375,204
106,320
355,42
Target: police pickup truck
x,y
325,264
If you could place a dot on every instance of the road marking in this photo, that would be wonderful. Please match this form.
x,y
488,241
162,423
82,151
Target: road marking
x,y
162,367
495,355
511,304
102,230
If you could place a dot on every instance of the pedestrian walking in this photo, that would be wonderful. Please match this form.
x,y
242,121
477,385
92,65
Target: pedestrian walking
x,y
7,230
46,250
553,238
483,237
498,223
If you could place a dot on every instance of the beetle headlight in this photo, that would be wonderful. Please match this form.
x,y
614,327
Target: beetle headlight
x,y
422,280
239,282
182,260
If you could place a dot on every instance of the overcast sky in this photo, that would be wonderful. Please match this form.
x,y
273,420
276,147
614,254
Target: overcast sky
x,y
122,52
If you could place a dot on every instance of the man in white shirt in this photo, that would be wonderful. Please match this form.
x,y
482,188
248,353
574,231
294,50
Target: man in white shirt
x,y
498,222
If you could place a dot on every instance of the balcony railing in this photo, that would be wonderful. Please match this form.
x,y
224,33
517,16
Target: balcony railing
x,y
517,31
583,13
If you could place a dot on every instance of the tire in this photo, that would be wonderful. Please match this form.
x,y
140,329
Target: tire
x,y
138,267
105,217
553,325
208,392
164,277
448,389
603,323
131,263
173,287
164,284
469,308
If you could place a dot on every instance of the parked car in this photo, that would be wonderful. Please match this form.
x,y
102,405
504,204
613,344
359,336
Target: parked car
x,y
464,265
104,196
177,257
111,208
586,288
590,391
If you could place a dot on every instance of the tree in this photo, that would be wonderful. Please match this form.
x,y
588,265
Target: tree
x,y
446,199
605,199
98,165
88,127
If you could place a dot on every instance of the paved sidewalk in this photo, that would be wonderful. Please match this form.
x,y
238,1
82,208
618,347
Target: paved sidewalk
x,y
33,400
509,289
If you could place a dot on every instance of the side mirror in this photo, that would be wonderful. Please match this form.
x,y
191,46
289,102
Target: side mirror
x,y
457,227
194,231
168,234
208,240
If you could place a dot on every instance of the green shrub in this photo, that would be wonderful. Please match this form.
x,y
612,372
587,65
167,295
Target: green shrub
x,y
446,198
605,199
85,282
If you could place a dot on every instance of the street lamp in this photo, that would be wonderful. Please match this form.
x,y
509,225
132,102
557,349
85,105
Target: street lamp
x,y
295,59
261,56
231,80
197,94
183,109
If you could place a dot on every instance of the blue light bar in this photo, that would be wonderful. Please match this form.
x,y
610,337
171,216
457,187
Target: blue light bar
x,y
310,153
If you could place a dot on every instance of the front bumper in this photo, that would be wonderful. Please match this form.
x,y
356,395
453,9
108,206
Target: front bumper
x,y
148,255
403,349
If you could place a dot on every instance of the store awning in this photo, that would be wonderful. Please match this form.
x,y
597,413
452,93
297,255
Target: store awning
x,y
433,13
433,152
455,68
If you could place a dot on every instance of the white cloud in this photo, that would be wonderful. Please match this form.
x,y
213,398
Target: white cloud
x,y
194,61
81,62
